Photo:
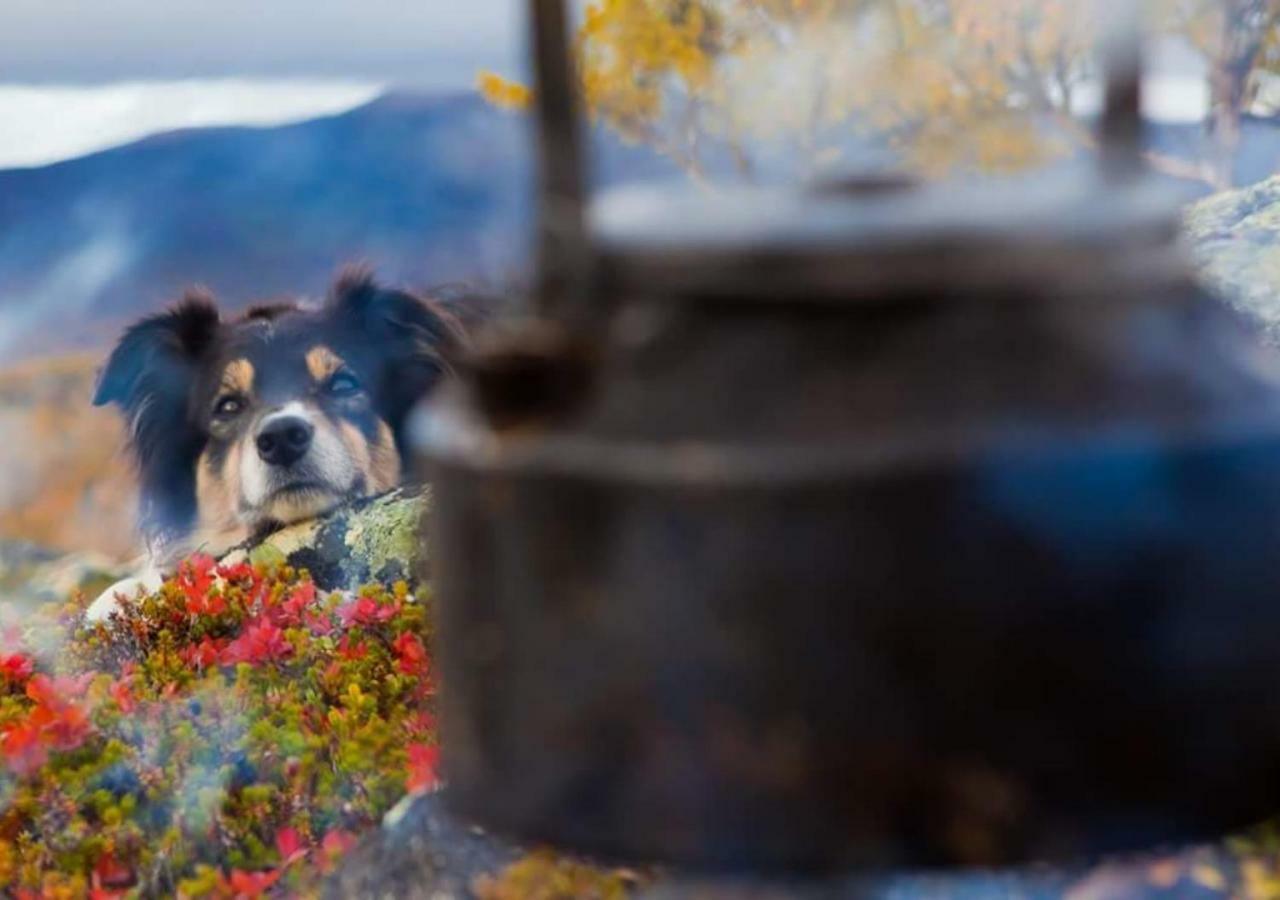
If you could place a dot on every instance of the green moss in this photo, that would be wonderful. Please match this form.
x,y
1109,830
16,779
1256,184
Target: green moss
x,y
268,556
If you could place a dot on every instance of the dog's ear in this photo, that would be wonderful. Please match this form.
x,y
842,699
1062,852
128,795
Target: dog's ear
x,y
415,339
150,376
159,353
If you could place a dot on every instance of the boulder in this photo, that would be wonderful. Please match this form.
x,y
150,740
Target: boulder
x,y
421,852
372,540
1234,240
32,575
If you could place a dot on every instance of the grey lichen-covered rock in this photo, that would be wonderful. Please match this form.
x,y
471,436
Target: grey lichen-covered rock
x,y
1234,238
373,540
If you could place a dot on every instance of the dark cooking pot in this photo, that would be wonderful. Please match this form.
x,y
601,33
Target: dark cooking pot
x,y
917,525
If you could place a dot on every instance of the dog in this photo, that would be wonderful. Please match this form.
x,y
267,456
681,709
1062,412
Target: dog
x,y
240,426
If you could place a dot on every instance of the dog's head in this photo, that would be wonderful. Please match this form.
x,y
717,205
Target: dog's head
x,y
277,415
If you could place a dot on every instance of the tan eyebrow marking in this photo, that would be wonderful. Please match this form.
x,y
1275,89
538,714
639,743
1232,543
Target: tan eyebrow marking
x,y
323,362
238,376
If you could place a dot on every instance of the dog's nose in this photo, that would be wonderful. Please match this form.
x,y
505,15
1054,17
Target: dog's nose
x,y
284,440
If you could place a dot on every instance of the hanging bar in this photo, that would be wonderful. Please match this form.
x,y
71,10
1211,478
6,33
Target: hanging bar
x,y
1120,129
562,252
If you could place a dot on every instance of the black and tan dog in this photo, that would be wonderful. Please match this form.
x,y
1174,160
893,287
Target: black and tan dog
x,y
239,426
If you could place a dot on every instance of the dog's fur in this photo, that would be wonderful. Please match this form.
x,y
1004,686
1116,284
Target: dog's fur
x,y
239,426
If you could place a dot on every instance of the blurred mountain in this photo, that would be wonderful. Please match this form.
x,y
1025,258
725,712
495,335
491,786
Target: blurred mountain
x,y
428,189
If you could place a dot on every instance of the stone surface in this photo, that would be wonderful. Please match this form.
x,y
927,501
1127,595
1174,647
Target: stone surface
x,y
1234,240
375,539
420,852
30,573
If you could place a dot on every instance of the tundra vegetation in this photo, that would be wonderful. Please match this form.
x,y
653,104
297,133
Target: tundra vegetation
x,y
231,733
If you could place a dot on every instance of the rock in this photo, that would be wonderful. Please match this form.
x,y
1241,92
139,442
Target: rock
x,y
420,852
1234,239
34,574
58,579
376,539
18,557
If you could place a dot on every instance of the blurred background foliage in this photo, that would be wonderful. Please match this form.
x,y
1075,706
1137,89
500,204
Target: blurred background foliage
x,y
937,85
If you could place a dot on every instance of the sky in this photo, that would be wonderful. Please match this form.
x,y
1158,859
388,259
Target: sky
x,y
79,76
425,42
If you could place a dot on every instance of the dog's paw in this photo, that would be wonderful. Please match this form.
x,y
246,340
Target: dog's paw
x,y
108,601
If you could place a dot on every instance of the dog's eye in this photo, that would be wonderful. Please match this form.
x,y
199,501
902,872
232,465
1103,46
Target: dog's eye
x,y
227,407
343,384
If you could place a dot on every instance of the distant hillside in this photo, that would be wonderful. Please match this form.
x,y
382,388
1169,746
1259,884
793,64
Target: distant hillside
x,y
65,483
428,189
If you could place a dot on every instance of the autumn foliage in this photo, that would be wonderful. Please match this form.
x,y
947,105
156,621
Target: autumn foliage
x,y
801,88
227,736
943,84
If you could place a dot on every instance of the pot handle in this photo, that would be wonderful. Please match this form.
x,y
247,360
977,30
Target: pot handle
x,y
564,251
1120,129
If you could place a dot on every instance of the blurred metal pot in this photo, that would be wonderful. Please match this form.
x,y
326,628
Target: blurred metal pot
x,y
881,525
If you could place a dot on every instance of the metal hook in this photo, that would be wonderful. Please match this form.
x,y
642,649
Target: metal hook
x,y
563,252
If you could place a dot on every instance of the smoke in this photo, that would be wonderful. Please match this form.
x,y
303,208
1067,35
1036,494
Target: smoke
x,y
69,289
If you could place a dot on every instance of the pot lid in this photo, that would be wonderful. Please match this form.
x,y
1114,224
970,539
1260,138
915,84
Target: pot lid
x,y
874,239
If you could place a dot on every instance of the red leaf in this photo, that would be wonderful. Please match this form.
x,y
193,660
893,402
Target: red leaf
x,y
290,846
204,654
410,654
63,729
350,651
424,763
261,641
195,577
206,604
250,885
108,872
241,571
54,692
123,696
16,668
336,843
24,749
366,611
63,724
319,623
292,609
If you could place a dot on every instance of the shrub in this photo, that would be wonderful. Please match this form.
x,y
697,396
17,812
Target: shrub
x,y
230,734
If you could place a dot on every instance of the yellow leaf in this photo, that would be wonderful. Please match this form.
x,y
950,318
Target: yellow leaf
x,y
503,93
